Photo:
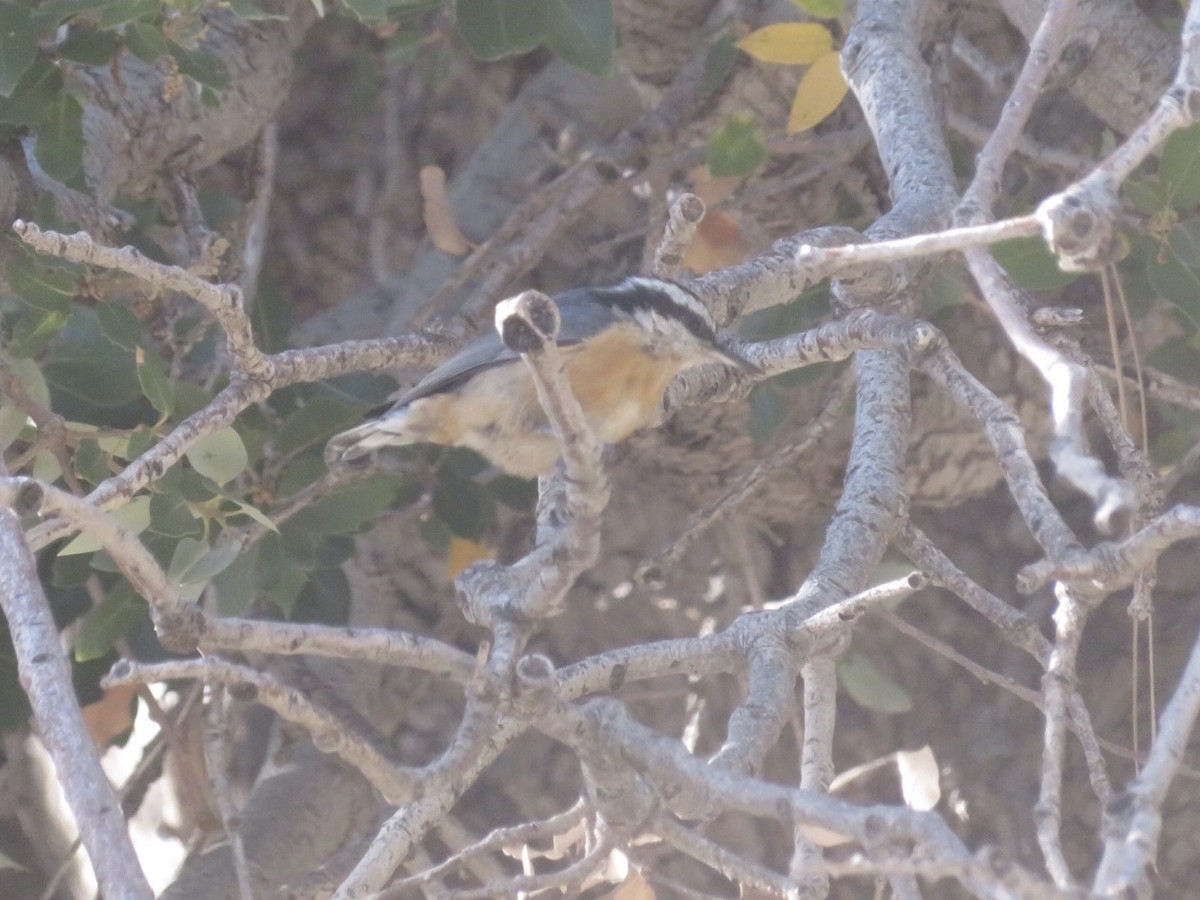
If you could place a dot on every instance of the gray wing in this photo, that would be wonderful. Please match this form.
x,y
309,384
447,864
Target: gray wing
x,y
481,354
581,318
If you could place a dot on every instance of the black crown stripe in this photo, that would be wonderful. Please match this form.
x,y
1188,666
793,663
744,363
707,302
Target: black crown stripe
x,y
637,295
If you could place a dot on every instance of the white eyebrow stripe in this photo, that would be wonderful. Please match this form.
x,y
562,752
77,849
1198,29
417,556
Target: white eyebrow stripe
x,y
679,295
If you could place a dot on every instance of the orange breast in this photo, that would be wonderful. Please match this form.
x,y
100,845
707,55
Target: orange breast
x,y
619,385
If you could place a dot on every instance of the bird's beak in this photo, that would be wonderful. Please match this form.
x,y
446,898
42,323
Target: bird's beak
x,y
734,360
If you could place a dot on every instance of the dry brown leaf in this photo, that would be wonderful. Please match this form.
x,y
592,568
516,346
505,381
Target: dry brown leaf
x,y
463,552
718,243
111,715
439,217
823,837
635,887
710,189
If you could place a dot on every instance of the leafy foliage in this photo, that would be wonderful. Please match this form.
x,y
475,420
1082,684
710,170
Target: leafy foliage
x,y
40,46
580,31
115,379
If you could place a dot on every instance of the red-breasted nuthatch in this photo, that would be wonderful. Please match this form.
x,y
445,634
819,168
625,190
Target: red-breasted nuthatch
x,y
621,347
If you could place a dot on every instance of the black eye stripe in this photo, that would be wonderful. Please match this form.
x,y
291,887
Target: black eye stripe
x,y
636,295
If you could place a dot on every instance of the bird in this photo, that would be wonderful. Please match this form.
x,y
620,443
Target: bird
x,y
621,346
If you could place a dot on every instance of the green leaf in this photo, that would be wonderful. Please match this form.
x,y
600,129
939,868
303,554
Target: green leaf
x,y
184,556
869,687
119,12
135,516
29,373
103,625
252,512
60,139
719,64
286,589
156,383
334,550
582,32
14,703
18,45
769,408
12,423
299,472
235,587
325,598
273,318
190,398
209,564
403,46
41,284
347,509
822,9
948,287
252,12
12,419
87,372
787,318
515,493
368,10
32,97
114,444
51,13
364,390
465,507
46,467
200,66
89,461
1031,265
146,41
461,463
1175,282
313,424
220,456
33,331
498,28
1179,168
90,47
1148,197
70,571
1179,357
90,377
119,325
171,516
139,442
736,150
1184,241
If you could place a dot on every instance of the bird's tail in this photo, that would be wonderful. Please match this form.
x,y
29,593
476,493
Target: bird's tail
x,y
388,431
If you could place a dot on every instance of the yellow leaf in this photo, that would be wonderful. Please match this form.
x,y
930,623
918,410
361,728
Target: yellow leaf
x,y
464,552
821,90
791,43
